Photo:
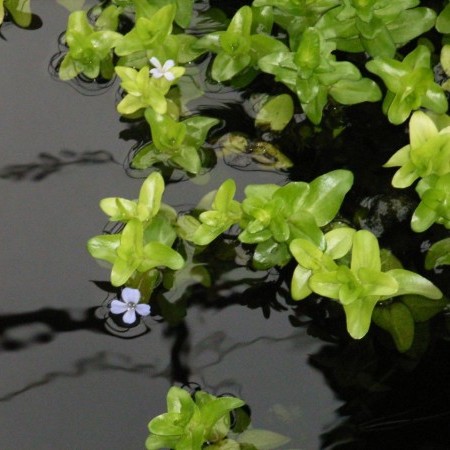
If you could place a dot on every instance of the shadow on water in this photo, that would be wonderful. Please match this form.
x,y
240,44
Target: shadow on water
x,y
55,320
34,24
391,400
49,164
102,361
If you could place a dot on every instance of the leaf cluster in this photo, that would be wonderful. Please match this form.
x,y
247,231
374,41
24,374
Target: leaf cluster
x,y
348,269
191,421
270,216
90,45
145,243
426,157
202,420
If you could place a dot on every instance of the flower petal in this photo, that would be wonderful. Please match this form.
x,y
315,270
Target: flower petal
x,y
156,73
168,65
118,307
130,295
129,317
155,62
143,309
169,76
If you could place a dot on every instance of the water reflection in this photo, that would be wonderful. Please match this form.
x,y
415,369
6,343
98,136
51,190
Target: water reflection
x,y
49,164
391,400
102,361
55,321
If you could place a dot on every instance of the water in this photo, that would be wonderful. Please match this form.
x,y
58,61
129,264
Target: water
x,y
69,383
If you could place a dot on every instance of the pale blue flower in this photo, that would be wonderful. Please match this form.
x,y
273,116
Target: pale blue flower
x,y
129,306
161,70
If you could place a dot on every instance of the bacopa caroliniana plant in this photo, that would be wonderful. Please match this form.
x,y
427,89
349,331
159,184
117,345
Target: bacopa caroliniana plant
x,y
358,284
203,421
150,56
90,46
145,242
270,216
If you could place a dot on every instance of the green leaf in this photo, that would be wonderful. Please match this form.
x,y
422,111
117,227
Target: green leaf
x,y
184,12
226,66
119,209
155,442
411,23
358,316
326,195
299,283
276,113
168,424
438,254
413,283
263,439
180,401
397,320
443,20
329,284
241,22
308,54
350,92
104,247
423,309
365,251
339,242
377,283
423,218
215,409
151,193
188,159
158,254
19,10
68,68
197,128
269,254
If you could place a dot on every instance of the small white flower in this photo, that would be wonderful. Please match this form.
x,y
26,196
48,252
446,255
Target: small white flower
x,y
129,306
162,70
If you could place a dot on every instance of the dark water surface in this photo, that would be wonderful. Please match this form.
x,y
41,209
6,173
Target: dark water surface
x,y
65,382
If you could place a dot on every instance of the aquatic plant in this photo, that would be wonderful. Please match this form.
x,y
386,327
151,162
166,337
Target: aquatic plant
x,y
240,47
358,284
313,73
202,420
175,143
146,240
152,55
377,27
190,421
90,46
410,84
271,216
